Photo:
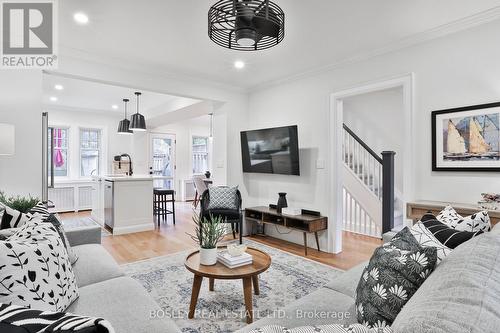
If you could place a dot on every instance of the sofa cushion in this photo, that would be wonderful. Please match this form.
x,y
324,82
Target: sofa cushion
x,y
322,307
461,296
35,269
425,238
94,265
395,272
12,218
347,282
14,318
479,221
447,235
125,304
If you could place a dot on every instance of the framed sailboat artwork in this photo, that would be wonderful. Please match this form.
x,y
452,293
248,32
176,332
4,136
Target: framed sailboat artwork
x,y
466,138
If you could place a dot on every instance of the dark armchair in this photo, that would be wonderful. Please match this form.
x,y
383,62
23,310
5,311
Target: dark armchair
x,y
233,216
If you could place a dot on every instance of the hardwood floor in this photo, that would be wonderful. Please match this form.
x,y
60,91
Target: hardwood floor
x,y
171,239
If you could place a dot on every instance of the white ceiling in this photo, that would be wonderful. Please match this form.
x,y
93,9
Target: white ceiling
x,y
171,35
81,95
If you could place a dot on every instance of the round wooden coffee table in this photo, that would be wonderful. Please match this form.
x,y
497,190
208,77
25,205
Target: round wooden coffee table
x,y
249,274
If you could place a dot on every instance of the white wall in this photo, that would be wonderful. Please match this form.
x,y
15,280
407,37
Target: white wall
x,y
112,142
378,118
456,70
20,97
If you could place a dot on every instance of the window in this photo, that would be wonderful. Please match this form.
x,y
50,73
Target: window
x,y
90,151
60,151
200,154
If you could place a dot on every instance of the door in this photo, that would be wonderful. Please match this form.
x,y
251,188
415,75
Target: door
x,y
162,159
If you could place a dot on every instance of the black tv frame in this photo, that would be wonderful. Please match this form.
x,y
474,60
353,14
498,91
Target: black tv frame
x,y
294,151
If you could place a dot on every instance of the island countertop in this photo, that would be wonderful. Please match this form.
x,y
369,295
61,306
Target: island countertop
x,y
118,178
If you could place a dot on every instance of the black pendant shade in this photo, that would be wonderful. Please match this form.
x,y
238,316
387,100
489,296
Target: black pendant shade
x,y
138,121
246,25
124,125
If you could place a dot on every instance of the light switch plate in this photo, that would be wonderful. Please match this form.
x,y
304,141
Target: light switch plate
x,y
320,164
220,164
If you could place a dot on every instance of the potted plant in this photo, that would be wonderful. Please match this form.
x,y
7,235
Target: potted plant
x,y
208,232
19,203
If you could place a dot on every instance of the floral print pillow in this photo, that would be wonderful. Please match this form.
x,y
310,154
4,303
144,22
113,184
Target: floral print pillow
x,y
394,273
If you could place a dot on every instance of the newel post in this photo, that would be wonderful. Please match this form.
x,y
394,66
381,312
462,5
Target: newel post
x,y
387,191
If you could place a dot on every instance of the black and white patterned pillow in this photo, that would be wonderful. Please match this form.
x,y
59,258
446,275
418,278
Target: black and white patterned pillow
x,y
479,221
446,235
333,328
222,197
14,318
51,218
35,269
426,239
12,218
395,272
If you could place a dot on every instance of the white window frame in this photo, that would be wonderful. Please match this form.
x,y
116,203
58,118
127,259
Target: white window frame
x,y
100,149
68,151
193,152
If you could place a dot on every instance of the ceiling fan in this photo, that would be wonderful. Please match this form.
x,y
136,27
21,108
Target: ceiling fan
x,y
246,25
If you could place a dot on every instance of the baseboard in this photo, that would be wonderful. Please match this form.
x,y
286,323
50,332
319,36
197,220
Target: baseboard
x,y
135,228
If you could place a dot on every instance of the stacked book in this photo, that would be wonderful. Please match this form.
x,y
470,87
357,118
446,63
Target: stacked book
x,y
232,262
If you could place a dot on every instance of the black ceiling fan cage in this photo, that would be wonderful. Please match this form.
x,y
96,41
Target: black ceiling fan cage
x,y
262,21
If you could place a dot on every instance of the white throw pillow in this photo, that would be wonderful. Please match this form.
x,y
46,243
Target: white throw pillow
x,y
425,238
35,270
473,223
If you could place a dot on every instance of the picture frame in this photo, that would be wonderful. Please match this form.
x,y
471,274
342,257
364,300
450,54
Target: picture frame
x,y
466,138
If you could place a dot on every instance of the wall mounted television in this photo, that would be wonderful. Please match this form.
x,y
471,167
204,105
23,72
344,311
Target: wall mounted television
x,y
271,150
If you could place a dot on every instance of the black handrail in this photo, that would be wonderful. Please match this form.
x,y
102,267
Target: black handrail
x,y
363,144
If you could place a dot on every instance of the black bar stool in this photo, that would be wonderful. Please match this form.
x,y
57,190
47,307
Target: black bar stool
x,y
161,197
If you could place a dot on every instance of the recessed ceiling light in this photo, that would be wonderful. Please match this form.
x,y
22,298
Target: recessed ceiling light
x,y
81,18
114,107
58,87
239,64
53,99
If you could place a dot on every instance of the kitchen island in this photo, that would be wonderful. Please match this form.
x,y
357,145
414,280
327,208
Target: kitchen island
x,y
123,204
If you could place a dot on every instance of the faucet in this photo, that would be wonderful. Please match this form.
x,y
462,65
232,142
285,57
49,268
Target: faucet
x,y
129,173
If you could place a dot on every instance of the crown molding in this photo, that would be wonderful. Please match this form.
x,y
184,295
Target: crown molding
x,y
419,38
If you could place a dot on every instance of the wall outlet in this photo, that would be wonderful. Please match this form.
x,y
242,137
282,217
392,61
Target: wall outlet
x,y
320,164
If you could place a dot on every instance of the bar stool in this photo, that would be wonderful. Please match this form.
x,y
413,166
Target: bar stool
x,y
161,197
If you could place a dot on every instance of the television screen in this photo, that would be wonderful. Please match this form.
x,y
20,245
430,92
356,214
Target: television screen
x,y
271,150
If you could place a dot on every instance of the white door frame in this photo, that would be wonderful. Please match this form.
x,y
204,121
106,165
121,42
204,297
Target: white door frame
x,y
155,135
336,131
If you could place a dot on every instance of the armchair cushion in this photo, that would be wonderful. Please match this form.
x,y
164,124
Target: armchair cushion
x,y
229,214
223,198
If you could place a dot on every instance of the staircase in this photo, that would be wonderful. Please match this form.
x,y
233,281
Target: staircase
x,y
368,209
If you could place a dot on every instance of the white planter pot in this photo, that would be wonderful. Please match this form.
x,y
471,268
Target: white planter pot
x,y
208,257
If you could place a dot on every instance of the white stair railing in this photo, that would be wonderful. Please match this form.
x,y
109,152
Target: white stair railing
x,y
368,208
365,163
356,218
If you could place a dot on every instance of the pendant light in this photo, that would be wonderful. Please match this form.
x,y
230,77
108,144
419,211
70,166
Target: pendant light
x,y
138,121
124,125
211,125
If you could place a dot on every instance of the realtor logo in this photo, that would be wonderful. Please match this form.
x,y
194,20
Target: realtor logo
x,y
28,34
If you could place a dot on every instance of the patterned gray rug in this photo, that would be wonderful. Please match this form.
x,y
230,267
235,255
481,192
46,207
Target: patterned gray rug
x,y
289,278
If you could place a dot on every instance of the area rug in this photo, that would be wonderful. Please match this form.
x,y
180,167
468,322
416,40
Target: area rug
x,y
289,278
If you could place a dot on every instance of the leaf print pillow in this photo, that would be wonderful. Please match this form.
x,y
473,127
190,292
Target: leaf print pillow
x,y
479,221
35,270
394,273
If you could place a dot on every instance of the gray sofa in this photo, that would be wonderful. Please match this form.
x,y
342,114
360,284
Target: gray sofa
x,y
107,293
461,296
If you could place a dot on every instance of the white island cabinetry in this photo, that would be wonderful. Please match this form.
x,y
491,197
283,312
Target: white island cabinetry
x,y
125,204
